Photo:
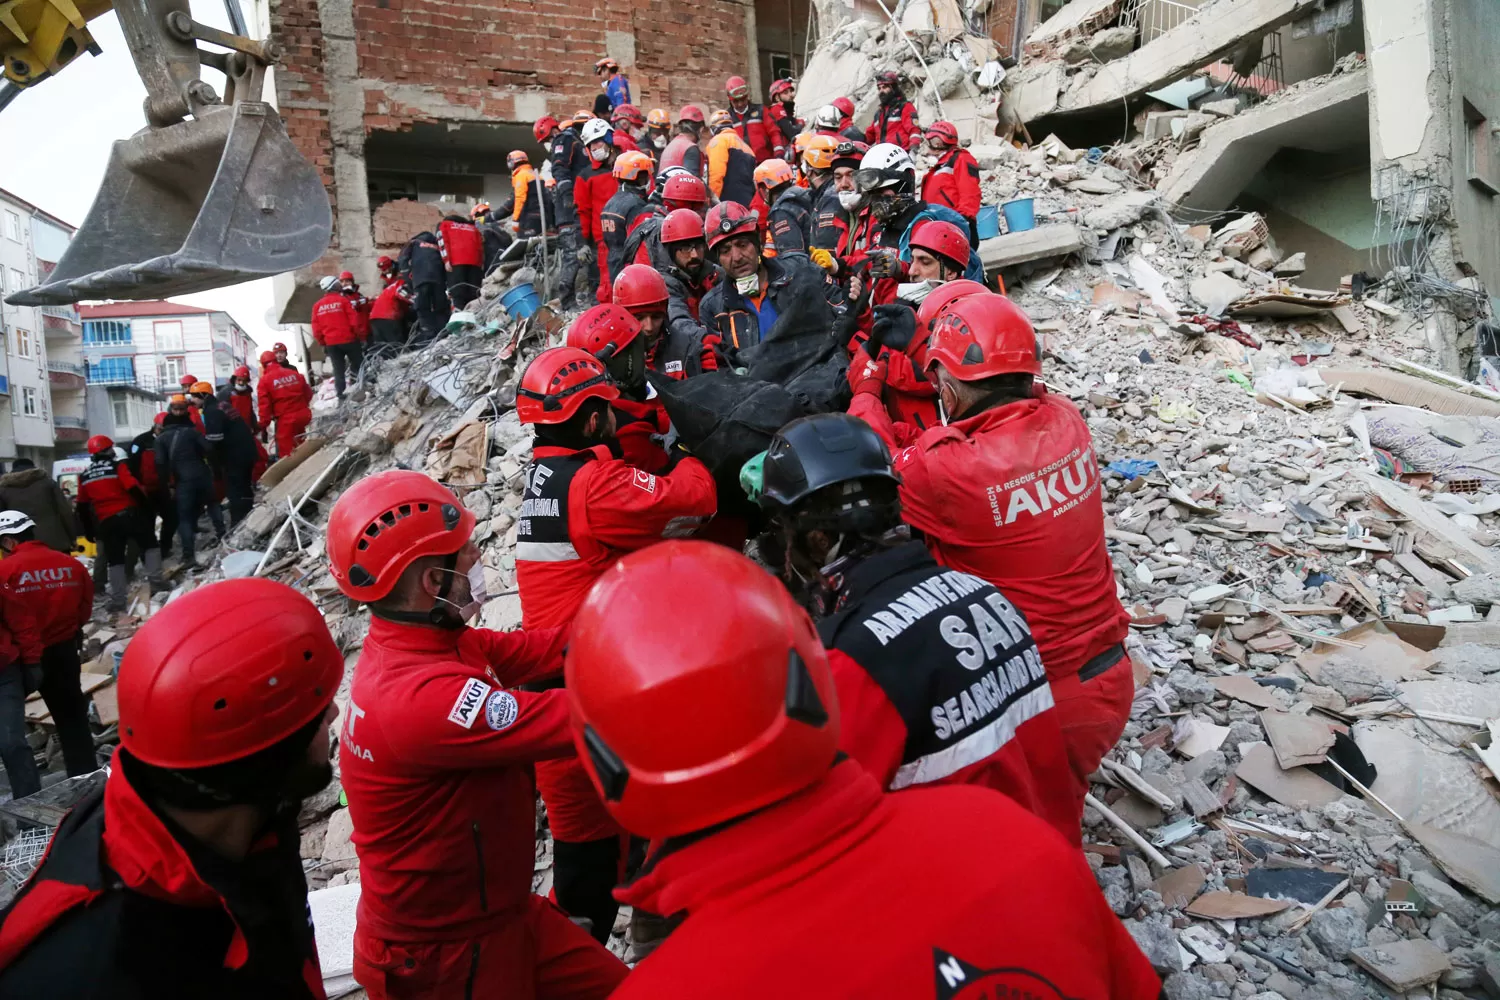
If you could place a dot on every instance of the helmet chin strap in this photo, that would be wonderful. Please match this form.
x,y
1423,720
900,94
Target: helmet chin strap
x,y
438,615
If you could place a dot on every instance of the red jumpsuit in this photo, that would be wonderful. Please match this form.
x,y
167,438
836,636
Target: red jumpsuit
x,y
841,892
1012,496
335,320
436,753
582,511
56,591
957,695
590,194
460,244
752,126
284,396
954,183
895,123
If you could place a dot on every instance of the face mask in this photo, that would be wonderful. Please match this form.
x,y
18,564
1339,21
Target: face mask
x,y
478,596
598,155
659,141
851,201
916,291
749,284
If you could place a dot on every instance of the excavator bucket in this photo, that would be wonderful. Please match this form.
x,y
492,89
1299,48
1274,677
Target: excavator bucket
x,y
207,202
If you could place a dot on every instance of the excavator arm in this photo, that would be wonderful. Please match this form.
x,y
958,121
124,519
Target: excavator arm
x,y
210,193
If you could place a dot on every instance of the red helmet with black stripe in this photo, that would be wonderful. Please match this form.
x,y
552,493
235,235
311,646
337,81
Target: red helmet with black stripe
x,y
980,336
557,382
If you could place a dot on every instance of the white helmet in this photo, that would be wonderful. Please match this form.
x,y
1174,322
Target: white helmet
x,y
595,130
828,117
328,283
887,156
13,522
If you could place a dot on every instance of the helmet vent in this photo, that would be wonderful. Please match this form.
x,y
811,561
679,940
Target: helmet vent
x,y
359,576
802,701
974,355
610,769
450,517
220,705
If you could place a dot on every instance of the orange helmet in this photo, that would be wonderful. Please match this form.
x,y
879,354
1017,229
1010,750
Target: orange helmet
x,y
683,725
201,389
720,120
557,382
634,168
605,330
384,523
774,173
658,118
817,153
515,158
980,336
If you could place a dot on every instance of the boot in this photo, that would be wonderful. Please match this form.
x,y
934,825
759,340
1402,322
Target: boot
x,y
152,559
117,587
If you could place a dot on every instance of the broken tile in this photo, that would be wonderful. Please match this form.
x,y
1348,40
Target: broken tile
x,y
1297,739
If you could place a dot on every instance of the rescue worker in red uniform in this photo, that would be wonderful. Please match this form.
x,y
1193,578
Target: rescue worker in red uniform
x,y
717,735
180,875
629,127
285,397
614,336
675,352
239,395
591,192
689,275
1009,491
954,181
112,507
583,508
462,247
957,696
749,120
436,755
48,598
896,117
781,115
357,299
336,323
388,315
686,148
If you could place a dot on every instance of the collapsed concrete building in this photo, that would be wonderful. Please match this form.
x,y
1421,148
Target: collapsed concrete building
x,y
1361,130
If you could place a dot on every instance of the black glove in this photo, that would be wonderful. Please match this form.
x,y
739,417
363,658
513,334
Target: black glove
x,y
885,262
894,327
675,454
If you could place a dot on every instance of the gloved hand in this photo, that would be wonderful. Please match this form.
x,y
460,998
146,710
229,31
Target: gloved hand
x,y
753,477
585,254
824,259
885,262
894,326
866,375
676,453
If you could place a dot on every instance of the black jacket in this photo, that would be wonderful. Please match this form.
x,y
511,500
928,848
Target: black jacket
x,y
422,260
569,162
685,333
35,494
791,221
229,436
623,208
799,291
183,454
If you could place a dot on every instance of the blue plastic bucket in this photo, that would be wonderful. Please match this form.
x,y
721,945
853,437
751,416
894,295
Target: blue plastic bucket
x,y
988,222
1020,215
521,301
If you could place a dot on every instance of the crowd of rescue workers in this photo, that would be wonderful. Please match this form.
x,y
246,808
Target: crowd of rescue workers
x,y
854,764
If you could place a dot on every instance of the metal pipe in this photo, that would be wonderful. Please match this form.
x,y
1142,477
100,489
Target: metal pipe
x,y
541,207
236,17
276,538
938,98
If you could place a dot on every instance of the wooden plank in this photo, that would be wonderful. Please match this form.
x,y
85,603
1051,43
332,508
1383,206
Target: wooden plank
x,y
1436,583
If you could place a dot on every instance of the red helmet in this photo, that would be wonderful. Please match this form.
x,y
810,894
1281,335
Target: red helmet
x,y
194,697
684,725
278,347
187,380
543,127
629,113
266,357
845,106
726,219
606,330
386,521
890,78
944,131
98,444
160,418
604,64
681,225
685,189
691,113
242,372
943,239
940,297
385,263
557,382
736,86
777,86
639,289
346,275
979,336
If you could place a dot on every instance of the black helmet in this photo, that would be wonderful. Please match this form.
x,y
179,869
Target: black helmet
x,y
813,453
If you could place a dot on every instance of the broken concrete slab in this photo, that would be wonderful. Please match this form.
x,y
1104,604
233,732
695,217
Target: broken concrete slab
x,y
1324,118
1297,739
1297,787
1105,46
1403,965
1082,17
1031,244
1425,784
1212,32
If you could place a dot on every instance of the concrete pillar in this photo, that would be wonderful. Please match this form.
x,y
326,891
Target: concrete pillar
x,y
752,54
346,128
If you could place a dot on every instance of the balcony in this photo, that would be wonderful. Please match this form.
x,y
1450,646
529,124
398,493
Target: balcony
x,y
54,325
66,376
69,429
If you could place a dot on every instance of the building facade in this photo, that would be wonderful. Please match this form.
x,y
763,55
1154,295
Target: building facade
x,y
42,412
135,354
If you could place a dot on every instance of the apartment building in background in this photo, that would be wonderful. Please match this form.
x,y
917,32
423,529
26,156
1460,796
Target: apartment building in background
x,y
136,353
42,408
